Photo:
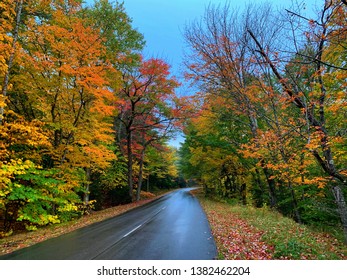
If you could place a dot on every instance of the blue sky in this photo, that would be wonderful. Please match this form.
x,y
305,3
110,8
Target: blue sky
x,y
162,23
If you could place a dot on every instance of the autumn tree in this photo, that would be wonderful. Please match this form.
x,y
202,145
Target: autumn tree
x,y
284,87
314,105
58,118
121,39
23,140
64,72
209,154
155,137
147,97
11,12
225,68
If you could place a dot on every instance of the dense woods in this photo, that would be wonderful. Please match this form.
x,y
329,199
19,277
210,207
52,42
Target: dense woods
x,y
84,118
270,125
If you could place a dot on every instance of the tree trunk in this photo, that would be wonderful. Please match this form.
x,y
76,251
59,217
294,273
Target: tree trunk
x,y
118,130
297,216
272,187
130,165
86,193
342,208
19,7
253,123
139,184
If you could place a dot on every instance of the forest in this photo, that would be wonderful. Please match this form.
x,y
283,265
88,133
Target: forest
x,y
271,122
85,119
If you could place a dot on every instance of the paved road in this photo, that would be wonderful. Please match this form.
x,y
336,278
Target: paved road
x,y
173,227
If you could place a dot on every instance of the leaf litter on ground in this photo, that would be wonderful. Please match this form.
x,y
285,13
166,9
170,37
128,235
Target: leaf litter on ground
x,y
248,233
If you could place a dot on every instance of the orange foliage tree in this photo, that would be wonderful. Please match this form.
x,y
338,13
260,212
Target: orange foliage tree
x,y
146,110
57,115
63,72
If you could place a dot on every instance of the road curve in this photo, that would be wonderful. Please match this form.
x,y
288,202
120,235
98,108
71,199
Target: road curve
x,y
173,227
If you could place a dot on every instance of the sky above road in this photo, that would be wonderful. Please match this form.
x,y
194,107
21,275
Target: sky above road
x,y
162,22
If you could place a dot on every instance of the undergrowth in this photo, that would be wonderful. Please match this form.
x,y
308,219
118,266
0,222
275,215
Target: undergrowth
x,y
244,232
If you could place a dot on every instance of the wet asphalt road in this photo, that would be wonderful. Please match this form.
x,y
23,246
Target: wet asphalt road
x,y
173,227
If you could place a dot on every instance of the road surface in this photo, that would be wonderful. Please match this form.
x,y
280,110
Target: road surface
x,y
173,227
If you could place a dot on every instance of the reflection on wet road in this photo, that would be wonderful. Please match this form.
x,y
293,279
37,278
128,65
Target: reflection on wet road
x,y
173,227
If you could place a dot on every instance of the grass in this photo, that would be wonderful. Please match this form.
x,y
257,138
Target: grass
x,y
276,236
